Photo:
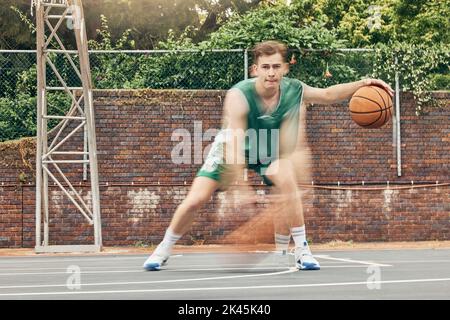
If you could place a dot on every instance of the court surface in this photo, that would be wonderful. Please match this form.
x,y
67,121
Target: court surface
x,y
345,274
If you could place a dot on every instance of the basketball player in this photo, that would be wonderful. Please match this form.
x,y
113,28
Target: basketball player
x,y
276,103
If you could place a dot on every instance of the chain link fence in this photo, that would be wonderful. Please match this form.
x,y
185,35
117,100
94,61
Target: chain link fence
x,y
13,66
184,69
160,69
189,69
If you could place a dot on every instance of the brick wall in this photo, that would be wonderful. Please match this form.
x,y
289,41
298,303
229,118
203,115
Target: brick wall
x,y
10,217
141,187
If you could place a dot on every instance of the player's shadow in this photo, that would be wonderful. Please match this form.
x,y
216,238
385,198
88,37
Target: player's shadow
x,y
252,263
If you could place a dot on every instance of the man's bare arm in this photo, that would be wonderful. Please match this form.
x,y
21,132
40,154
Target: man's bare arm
x,y
340,92
235,121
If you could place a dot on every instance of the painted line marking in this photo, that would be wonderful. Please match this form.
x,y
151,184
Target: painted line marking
x,y
227,288
327,257
253,268
138,271
289,270
62,260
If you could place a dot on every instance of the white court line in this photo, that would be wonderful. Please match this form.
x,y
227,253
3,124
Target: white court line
x,y
63,260
234,264
109,258
138,270
326,257
2,269
128,267
52,259
156,281
56,260
254,268
226,288
415,261
239,266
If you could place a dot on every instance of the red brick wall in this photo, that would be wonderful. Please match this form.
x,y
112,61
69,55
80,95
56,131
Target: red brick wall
x,y
10,217
134,145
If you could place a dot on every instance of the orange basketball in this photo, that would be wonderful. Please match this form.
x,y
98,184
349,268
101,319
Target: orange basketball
x,y
371,107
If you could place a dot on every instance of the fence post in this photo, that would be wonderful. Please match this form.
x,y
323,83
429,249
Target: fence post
x,y
397,120
245,64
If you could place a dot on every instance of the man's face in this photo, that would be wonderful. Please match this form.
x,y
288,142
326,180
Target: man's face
x,y
270,70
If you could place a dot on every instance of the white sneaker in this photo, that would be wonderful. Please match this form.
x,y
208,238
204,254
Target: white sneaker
x,y
156,260
304,258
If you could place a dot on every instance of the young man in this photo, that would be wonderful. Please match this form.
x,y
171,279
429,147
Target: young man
x,y
273,105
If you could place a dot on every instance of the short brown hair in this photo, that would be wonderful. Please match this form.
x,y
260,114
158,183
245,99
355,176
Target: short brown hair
x,y
268,48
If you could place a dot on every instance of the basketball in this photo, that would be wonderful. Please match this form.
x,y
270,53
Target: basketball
x,y
371,107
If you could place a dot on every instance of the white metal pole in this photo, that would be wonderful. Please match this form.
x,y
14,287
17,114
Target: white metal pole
x,y
81,37
44,151
85,153
246,64
397,112
40,60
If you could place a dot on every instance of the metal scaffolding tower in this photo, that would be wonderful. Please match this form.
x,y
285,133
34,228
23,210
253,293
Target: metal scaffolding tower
x,y
81,113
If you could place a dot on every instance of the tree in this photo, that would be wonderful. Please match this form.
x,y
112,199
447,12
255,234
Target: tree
x,y
422,21
359,22
215,13
13,35
148,20
278,21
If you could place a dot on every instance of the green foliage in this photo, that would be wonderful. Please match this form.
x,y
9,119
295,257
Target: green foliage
x,y
18,104
409,35
280,22
415,65
422,21
221,70
359,22
440,82
311,67
202,69
364,23
205,69
24,19
23,177
17,117
14,18
113,70
18,114
147,20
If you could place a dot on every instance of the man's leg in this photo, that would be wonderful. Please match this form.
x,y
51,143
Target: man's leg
x,y
290,211
201,191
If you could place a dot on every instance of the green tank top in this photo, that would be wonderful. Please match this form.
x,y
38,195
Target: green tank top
x,y
262,139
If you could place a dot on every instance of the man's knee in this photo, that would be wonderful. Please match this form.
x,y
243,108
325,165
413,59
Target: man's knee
x,y
282,174
194,202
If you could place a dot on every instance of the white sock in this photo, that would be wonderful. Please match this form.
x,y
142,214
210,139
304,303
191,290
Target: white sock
x,y
299,236
282,242
165,247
